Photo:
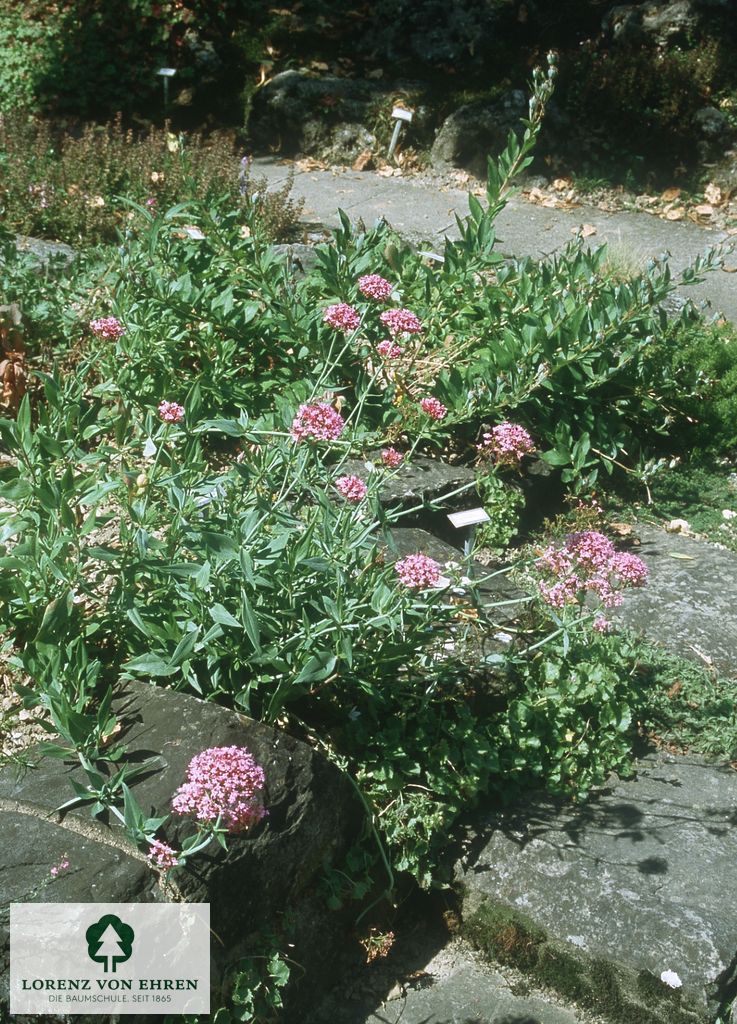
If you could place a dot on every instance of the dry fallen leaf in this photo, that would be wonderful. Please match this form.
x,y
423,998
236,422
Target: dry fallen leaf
x,y
703,212
713,194
678,526
670,195
675,213
621,529
364,161
561,184
587,230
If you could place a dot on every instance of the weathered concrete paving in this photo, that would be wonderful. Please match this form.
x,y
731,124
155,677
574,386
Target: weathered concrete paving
x,y
424,213
642,877
690,601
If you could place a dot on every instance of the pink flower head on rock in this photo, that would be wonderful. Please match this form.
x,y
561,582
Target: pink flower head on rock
x,y
223,783
630,569
389,349
373,286
342,317
320,422
507,443
434,409
161,855
170,412
107,327
418,571
588,562
392,458
352,488
400,321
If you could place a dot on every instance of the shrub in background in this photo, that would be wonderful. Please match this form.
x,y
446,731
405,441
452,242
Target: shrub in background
x,y
74,186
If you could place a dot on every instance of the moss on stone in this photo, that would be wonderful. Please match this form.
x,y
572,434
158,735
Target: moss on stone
x,y
506,935
565,974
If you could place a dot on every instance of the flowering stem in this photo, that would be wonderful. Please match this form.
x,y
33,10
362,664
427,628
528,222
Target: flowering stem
x,y
392,516
153,469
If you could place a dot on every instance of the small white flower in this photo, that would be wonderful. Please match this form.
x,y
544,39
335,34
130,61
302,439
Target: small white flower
x,y
728,513
671,979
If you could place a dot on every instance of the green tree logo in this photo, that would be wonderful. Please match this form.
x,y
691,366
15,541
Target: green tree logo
x,y
109,942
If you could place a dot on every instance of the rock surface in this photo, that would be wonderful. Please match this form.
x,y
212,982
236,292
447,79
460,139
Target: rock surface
x,y
641,879
301,113
274,869
422,480
476,131
455,986
45,252
690,601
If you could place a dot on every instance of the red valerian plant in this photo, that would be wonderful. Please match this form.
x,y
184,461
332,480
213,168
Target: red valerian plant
x,y
588,563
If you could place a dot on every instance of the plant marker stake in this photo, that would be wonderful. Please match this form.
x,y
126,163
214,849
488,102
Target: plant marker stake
x,y
165,74
399,114
468,518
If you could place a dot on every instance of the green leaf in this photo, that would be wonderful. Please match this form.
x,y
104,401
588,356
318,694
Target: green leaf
x,y
151,665
221,615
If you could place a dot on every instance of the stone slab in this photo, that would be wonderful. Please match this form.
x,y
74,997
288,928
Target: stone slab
x,y
310,804
421,480
459,990
690,601
643,875
452,985
31,846
268,878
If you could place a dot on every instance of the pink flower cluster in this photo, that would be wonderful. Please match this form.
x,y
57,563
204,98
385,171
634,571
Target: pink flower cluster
x,y
320,422
107,327
61,866
434,409
400,321
588,562
417,571
392,458
170,412
224,783
342,317
507,443
352,488
373,286
389,349
161,855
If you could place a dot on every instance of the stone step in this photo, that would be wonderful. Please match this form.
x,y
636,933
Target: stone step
x,y
600,899
454,986
690,601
